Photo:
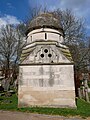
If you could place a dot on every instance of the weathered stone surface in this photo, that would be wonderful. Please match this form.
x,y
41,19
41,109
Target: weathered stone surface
x,y
46,75
54,98
43,21
46,86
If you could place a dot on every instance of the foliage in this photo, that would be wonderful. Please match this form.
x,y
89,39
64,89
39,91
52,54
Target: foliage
x,y
83,108
8,103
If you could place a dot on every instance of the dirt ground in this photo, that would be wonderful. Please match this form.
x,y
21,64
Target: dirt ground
x,y
8,115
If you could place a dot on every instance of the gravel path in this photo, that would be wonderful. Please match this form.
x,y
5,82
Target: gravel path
x,y
8,115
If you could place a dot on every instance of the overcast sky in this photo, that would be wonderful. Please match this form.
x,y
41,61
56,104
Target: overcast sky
x,y
14,11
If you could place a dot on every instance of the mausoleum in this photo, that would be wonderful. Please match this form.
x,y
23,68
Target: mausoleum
x,y
46,73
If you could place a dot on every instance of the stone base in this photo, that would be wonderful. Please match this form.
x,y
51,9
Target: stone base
x,y
46,85
46,98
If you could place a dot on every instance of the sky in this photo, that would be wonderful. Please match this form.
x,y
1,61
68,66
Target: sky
x,y
16,11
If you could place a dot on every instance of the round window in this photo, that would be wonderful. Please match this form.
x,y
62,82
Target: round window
x,y
45,50
49,55
42,55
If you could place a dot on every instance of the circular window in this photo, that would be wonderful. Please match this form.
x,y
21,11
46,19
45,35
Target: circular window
x,y
49,55
42,55
45,50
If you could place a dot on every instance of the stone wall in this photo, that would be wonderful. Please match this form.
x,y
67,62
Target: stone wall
x,y
46,85
39,34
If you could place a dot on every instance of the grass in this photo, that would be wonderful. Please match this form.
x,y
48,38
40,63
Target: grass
x,y
10,103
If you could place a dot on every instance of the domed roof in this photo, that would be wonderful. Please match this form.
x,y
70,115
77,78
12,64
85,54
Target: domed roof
x,y
45,20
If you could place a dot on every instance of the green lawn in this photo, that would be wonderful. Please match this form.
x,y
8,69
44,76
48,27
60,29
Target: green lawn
x,y
10,103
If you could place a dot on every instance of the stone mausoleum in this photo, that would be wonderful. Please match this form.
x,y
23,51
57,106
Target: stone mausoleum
x,y
46,74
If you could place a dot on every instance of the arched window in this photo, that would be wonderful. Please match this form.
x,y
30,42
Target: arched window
x,y
59,38
45,35
31,38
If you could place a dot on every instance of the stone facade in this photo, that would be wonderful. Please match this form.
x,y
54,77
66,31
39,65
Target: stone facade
x,y
39,34
46,75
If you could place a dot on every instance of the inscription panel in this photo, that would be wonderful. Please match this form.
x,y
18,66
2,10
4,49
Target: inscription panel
x,y
47,76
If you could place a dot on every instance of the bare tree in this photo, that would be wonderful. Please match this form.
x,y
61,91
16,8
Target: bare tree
x,y
11,43
74,36
87,55
34,12
73,26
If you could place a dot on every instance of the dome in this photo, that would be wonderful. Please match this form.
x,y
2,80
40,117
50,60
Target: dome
x,y
45,20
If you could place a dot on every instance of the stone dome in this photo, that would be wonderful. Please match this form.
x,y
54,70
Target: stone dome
x,y
45,20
